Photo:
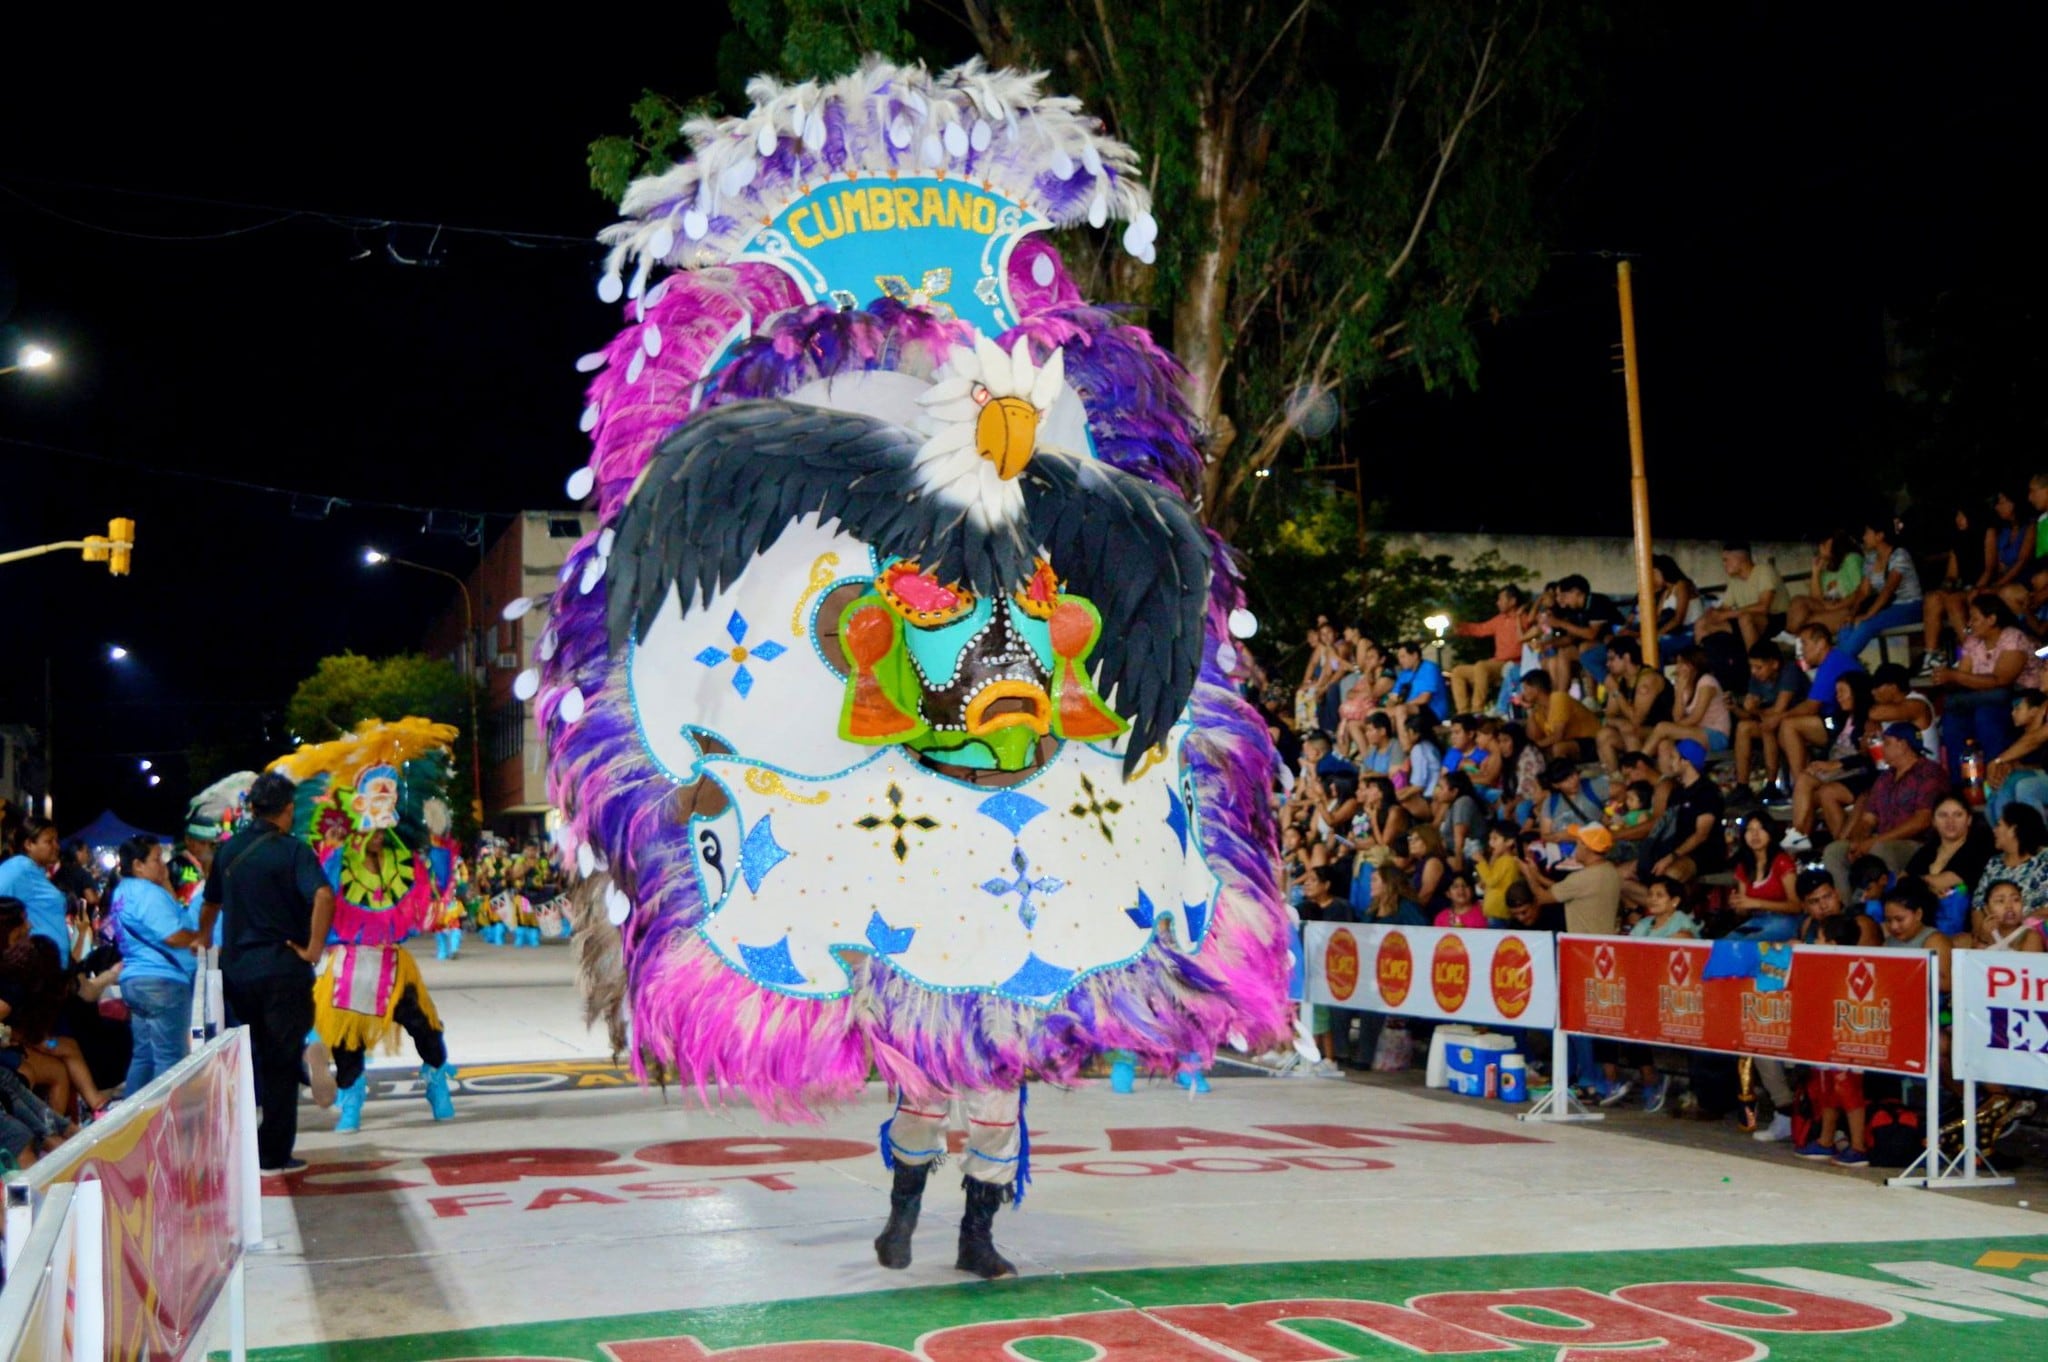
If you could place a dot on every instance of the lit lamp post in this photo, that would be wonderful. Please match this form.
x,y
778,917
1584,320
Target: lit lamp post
x,y
29,357
377,558
1438,624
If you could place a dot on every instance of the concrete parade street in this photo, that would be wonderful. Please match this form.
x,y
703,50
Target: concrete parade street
x,y
565,1209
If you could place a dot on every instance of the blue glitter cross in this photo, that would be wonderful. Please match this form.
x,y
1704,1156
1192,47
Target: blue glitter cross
x,y
1023,886
740,654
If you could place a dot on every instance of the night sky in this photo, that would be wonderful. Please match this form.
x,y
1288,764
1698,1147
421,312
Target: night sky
x,y
1782,179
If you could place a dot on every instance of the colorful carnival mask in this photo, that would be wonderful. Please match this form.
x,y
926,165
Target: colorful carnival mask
x,y
889,638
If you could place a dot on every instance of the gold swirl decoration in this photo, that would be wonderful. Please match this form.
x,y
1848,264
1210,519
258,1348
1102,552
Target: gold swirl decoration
x,y
765,782
822,573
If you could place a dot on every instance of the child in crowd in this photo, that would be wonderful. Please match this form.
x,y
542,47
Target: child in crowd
x,y
1837,1093
1464,909
2002,924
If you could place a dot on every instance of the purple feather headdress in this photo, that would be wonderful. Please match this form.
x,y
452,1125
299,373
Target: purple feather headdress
x,y
744,330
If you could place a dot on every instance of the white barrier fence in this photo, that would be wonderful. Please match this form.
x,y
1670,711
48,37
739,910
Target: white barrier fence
x,y
125,1241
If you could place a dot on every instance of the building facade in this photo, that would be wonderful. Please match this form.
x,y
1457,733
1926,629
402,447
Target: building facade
x,y
526,560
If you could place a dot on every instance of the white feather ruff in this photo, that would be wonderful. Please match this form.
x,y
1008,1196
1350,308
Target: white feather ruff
x,y
992,125
948,465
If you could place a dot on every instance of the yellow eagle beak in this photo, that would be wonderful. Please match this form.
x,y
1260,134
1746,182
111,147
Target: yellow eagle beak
x,y
1006,433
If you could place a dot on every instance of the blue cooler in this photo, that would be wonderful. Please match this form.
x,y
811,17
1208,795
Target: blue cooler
x,y
1473,1064
1514,1078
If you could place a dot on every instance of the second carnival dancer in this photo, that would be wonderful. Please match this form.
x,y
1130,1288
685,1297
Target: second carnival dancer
x,y
364,804
891,709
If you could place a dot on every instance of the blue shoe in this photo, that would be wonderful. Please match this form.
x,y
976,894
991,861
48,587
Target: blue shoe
x,y
1852,1158
1123,1076
454,938
1654,1095
440,945
438,1100
1812,1150
349,1102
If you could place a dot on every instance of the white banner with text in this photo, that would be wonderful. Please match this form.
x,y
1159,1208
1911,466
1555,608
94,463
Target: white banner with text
x,y
2001,1017
1496,978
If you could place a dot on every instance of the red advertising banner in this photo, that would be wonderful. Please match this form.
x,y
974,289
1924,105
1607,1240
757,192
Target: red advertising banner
x,y
1856,1009
167,1170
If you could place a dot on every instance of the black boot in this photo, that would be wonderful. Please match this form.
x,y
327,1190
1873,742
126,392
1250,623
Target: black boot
x,y
892,1245
977,1246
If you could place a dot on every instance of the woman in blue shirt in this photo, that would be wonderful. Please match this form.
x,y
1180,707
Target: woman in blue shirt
x,y
156,937
25,875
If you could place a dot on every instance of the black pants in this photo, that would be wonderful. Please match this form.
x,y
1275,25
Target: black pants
x,y
278,1011
348,1064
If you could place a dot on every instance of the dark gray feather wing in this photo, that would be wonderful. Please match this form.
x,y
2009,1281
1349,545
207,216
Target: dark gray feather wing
x,y
1136,550
722,489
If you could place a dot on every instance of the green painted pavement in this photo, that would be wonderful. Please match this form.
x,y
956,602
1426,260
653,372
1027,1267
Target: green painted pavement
x,y
1915,1299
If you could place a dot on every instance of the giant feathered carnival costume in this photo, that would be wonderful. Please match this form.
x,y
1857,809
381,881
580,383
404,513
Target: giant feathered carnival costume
x,y
888,709
367,803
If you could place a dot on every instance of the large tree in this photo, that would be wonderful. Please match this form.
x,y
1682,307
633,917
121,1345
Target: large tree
x,y
348,688
1345,191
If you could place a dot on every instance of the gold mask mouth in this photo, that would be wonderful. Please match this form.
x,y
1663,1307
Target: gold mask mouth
x,y
1009,704
1006,433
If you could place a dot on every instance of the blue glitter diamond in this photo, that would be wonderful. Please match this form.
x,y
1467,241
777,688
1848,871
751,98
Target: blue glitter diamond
x,y
761,853
737,627
1177,818
1144,914
888,940
1037,979
772,964
1011,809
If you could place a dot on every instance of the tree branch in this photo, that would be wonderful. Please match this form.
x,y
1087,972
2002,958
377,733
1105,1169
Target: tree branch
x,y
1267,55
1444,154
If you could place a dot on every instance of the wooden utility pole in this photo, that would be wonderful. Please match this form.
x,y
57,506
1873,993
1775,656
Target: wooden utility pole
x,y
1638,481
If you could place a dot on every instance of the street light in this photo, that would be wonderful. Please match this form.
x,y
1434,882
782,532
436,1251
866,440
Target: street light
x,y
148,765
378,558
116,653
30,356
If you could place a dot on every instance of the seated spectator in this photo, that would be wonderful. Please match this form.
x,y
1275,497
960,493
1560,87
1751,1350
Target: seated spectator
x,y
1425,758
1664,919
2003,923
1829,786
1699,711
1385,822
1418,685
1461,906
1954,859
1697,847
1804,725
1499,871
1823,906
1890,819
1679,605
2021,839
27,862
1382,756
1834,587
33,989
2015,773
1475,684
1582,624
1754,602
1370,685
1638,699
1559,726
1527,915
1319,677
1894,701
1417,871
1980,560
1837,1096
1894,599
1774,688
1461,744
1590,895
1996,659
1460,819
1567,803
1766,896
1909,925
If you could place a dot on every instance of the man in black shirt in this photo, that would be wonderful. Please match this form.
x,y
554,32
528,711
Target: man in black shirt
x,y
1697,808
278,907
1584,620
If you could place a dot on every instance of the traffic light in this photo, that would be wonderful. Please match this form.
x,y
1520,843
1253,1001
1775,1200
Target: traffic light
x,y
120,544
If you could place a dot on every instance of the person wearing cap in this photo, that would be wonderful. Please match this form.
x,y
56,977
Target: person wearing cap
x,y
1590,895
1890,819
1696,807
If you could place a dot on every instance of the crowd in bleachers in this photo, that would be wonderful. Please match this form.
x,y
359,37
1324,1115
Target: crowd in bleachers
x,y
1858,756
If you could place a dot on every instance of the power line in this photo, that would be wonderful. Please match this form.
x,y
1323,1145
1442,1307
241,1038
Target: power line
x,y
277,215
222,480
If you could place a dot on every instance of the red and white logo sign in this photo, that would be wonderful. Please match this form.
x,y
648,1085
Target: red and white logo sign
x,y
1862,979
1394,969
1603,962
1450,973
1340,964
1513,977
1680,969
